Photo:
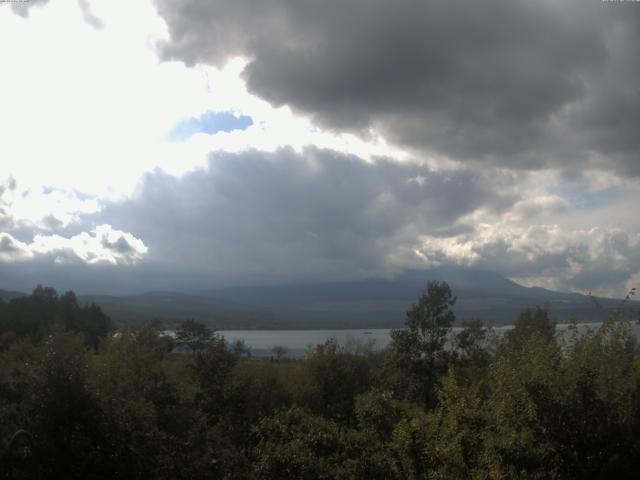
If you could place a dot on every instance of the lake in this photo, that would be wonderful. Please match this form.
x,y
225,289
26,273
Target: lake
x,y
297,342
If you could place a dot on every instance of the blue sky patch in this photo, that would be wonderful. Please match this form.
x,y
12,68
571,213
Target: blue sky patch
x,y
209,122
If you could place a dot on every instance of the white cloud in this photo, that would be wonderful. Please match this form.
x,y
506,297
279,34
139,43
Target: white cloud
x,y
605,260
89,110
536,205
85,116
40,208
103,245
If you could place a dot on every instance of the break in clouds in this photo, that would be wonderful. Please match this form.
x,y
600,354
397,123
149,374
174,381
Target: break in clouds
x,y
520,84
519,121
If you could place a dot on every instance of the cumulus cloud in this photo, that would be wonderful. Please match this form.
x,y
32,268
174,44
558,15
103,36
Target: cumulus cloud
x,y
103,245
317,214
604,259
535,205
516,83
492,135
40,208
12,250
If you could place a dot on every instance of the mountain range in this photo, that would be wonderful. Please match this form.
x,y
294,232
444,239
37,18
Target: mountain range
x,y
372,303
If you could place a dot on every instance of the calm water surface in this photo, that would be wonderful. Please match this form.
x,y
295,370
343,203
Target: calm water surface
x,y
297,342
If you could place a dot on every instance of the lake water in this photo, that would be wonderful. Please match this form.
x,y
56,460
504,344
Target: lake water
x,y
297,342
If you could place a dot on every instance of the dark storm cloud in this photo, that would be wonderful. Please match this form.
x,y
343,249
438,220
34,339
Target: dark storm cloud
x,y
258,217
11,249
8,245
518,83
120,245
286,215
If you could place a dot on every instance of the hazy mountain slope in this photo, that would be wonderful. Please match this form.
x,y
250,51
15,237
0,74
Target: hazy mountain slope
x,y
486,295
172,307
406,287
357,304
7,295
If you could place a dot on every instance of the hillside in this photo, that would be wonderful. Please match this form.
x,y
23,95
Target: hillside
x,y
172,307
383,302
7,295
372,303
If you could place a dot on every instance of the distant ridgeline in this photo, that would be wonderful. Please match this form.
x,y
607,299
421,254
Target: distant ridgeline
x,y
35,315
363,304
357,304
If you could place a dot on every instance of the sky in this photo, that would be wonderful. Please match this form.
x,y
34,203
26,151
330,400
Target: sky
x,y
183,144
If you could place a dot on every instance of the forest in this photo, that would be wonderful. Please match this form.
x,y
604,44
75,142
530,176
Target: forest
x,y
83,398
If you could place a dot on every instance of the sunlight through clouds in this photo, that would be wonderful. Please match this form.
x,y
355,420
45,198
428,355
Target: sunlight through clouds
x,y
105,100
103,245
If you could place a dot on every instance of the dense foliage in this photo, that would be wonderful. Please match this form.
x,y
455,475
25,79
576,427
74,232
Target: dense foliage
x,y
35,315
77,403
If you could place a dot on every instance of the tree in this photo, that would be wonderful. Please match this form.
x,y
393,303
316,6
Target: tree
x,y
212,370
473,345
138,403
429,321
298,444
66,413
329,380
417,357
35,315
194,336
44,294
279,351
240,348
531,322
